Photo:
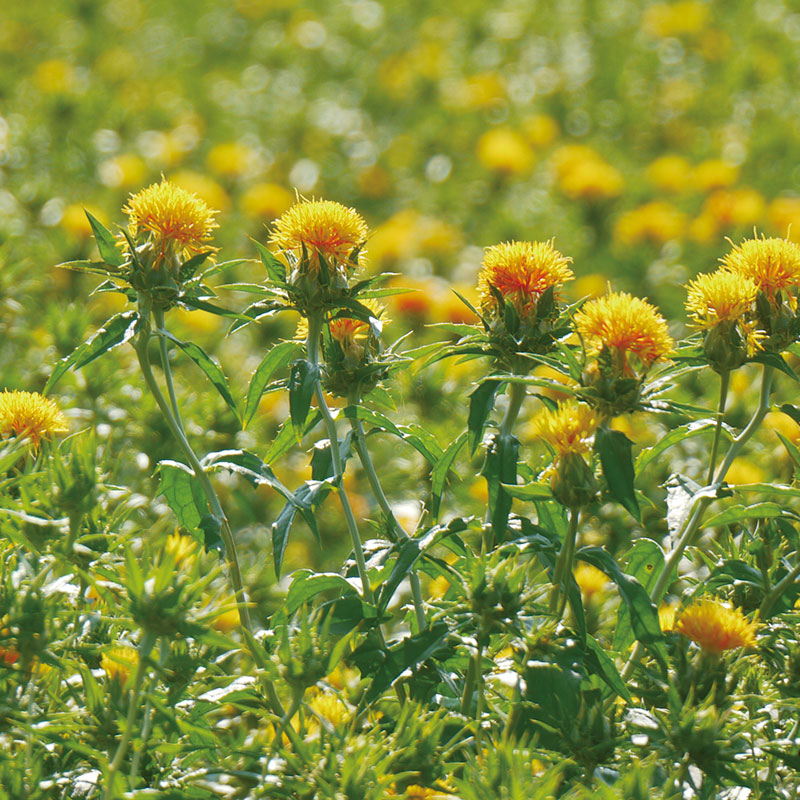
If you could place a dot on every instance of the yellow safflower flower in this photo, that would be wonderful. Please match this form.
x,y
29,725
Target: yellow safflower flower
x,y
230,159
675,19
716,627
670,173
721,296
715,174
590,580
772,264
666,617
322,227
266,200
784,216
569,429
657,221
504,150
625,324
521,272
540,130
30,415
119,662
177,220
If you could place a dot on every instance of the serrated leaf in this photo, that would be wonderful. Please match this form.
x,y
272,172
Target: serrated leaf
x,y
307,584
604,667
106,243
116,331
644,616
302,383
500,467
645,562
614,449
481,403
211,369
277,358
675,436
309,495
776,361
188,268
275,269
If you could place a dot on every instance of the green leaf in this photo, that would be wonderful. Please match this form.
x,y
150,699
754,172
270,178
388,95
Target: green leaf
x,y
644,616
741,513
201,305
604,667
500,467
310,494
211,369
275,268
441,471
645,562
188,268
407,556
676,435
116,331
286,438
481,403
106,243
391,663
614,449
183,494
302,383
307,584
777,361
92,267
529,491
277,358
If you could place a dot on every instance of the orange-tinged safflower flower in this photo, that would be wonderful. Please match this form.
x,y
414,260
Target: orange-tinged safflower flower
x,y
716,627
568,429
772,264
521,272
177,220
626,324
29,415
348,331
119,662
321,226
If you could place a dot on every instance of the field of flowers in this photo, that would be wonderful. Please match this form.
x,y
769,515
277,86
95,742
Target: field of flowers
x,y
399,400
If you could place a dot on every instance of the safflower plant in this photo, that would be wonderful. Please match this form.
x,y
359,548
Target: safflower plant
x,y
583,626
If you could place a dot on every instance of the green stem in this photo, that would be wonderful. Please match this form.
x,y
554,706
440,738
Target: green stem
x,y
778,589
724,379
692,526
480,688
516,396
469,685
163,652
563,568
380,496
312,348
158,315
145,646
231,556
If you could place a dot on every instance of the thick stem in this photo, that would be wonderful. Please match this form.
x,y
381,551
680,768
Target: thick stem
x,y
692,526
231,556
312,348
145,646
399,531
724,380
563,568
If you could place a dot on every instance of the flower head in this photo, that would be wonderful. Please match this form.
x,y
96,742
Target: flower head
x,y
325,227
568,429
178,221
521,272
119,662
28,414
772,264
720,296
716,627
348,331
625,324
